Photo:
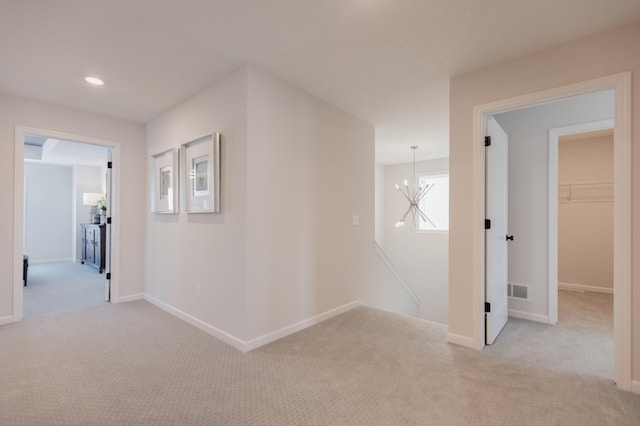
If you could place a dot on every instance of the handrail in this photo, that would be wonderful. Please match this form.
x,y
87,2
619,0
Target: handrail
x,y
395,271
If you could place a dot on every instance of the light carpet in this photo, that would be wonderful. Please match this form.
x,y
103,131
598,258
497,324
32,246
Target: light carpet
x,y
56,287
133,364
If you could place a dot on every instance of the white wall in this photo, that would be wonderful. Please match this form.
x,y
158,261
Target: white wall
x,y
48,212
208,250
528,131
599,55
86,179
15,110
585,229
283,250
310,168
420,257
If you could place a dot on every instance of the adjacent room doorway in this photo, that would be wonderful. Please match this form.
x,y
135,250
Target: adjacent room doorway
x,y
620,84
572,190
78,183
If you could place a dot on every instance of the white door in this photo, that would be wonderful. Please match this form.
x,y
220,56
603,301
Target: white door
x,y
109,198
496,253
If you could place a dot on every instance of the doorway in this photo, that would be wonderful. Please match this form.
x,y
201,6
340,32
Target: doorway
x,y
64,182
560,196
533,195
620,84
22,210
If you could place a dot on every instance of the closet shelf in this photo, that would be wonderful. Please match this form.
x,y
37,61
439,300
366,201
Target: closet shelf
x,y
585,192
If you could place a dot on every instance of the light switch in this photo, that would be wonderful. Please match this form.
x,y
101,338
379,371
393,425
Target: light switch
x,y
356,219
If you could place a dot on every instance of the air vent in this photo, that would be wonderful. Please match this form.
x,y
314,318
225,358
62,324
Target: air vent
x,y
519,291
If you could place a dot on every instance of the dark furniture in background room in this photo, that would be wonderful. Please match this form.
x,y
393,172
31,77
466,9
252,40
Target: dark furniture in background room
x,y
25,268
94,245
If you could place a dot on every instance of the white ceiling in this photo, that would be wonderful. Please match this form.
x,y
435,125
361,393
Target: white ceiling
x,y
67,153
385,61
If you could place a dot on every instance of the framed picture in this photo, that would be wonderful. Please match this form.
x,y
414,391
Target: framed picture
x,y
200,175
164,182
200,167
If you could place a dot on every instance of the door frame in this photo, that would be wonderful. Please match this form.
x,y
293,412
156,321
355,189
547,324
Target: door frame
x,y
621,85
554,135
18,209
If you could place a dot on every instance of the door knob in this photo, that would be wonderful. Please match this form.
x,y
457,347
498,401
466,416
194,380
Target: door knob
x,y
509,237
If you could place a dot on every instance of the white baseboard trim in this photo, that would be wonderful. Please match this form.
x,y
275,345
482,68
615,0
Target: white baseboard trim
x,y
130,298
582,287
207,328
43,261
529,316
465,341
300,325
240,344
7,320
635,386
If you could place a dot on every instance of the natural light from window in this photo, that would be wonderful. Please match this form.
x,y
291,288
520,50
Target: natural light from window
x,y
435,203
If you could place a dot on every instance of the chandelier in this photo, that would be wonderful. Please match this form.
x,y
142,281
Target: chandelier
x,y
414,195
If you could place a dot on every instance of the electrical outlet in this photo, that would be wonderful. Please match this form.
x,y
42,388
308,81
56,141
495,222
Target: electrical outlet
x,y
198,292
356,220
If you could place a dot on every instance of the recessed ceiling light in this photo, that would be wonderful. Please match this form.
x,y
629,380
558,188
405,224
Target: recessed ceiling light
x,y
94,80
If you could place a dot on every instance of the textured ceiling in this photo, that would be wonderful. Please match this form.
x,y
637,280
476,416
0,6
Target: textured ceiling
x,y
387,62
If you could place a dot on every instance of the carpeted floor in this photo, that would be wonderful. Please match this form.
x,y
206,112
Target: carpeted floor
x,y
57,287
133,364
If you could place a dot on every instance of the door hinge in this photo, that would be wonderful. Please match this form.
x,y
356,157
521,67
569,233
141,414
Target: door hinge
x,y
108,276
109,220
109,164
487,141
487,307
487,224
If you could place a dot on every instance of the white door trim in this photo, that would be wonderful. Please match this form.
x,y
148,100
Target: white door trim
x,y
621,84
18,210
554,134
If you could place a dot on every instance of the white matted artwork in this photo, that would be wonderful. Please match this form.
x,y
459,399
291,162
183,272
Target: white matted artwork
x,y
164,187
200,175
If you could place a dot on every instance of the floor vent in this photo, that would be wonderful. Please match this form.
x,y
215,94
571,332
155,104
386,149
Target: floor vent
x,y
519,291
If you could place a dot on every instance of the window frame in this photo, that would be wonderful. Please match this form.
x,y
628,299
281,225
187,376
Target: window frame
x,y
432,175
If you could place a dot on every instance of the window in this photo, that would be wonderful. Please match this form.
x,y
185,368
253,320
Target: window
x,y
435,204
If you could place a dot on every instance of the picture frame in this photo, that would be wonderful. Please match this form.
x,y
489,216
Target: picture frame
x,y
200,175
164,182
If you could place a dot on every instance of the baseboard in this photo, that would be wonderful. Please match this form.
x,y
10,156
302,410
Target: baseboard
x,y
43,261
300,325
529,316
246,346
582,287
130,298
465,341
635,386
207,328
7,320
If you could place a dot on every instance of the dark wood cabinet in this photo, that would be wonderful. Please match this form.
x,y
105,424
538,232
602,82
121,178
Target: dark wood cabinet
x,y
94,240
